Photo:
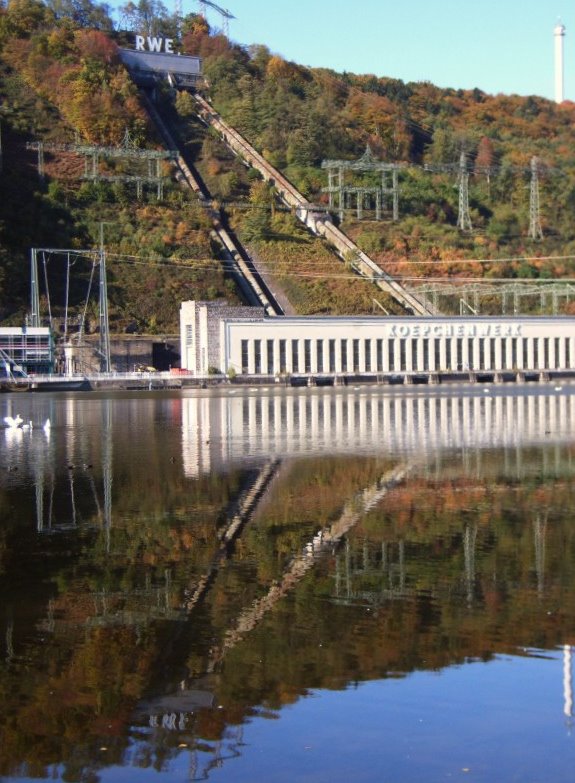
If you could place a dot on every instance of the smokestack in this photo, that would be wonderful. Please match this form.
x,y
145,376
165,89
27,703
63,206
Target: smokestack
x,y
559,34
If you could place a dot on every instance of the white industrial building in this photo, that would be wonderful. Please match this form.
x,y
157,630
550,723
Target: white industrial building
x,y
26,349
243,340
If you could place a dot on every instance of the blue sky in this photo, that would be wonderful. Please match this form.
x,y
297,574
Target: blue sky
x,y
496,45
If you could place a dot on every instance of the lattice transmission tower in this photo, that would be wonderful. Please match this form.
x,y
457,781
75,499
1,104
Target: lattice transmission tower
x,y
535,230
463,216
224,13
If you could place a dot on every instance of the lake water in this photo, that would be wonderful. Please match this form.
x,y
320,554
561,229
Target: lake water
x,y
289,585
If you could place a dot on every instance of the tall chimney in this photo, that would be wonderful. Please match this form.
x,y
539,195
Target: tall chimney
x,y
559,34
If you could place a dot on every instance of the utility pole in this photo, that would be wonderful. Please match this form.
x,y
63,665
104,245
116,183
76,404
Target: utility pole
x,y
535,230
463,216
105,364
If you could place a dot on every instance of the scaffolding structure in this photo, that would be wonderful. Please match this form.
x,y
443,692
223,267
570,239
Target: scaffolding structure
x,y
365,196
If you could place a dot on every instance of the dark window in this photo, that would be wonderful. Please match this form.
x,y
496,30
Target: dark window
x,y
402,356
514,352
437,352
307,355
355,356
332,356
343,348
426,355
414,354
459,344
545,353
492,346
283,365
295,355
367,344
481,353
379,355
244,356
257,356
270,349
319,349
470,357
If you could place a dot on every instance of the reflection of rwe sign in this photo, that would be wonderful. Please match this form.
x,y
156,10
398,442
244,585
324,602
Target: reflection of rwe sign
x,y
154,44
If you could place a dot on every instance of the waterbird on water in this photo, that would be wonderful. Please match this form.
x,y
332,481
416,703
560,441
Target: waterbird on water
x,y
15,422
47,425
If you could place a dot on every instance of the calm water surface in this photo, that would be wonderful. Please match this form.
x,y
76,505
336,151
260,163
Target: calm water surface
x,y
311,585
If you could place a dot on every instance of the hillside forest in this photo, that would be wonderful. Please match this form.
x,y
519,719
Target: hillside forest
x,y
62,83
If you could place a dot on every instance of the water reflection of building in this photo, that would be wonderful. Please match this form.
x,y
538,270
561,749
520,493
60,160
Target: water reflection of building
x,y
222,429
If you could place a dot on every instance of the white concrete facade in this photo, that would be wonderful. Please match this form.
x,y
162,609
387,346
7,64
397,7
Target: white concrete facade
x,y
254,344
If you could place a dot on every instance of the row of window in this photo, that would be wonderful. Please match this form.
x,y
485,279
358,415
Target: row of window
x,y
405,355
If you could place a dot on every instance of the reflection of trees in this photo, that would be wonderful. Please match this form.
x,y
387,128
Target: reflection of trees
x,y
441,570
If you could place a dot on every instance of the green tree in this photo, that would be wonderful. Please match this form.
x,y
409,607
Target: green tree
x,y
257,221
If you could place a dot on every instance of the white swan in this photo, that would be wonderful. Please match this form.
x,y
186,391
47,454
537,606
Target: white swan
x,y
47,425
13,423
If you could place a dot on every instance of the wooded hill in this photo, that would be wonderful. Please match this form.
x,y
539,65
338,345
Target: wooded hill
x,y
61,81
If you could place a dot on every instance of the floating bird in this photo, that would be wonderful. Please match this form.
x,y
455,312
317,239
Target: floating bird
x,y
47,425
28,426
13,423
558,388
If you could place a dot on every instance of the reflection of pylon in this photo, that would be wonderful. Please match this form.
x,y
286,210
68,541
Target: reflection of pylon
x,y
539,528
463,216
469,541
535,230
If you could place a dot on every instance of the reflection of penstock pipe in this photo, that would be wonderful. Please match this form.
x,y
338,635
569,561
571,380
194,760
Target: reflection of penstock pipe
x,y
323,542
244,512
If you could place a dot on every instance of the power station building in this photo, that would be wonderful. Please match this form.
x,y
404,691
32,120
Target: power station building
x,y
244,341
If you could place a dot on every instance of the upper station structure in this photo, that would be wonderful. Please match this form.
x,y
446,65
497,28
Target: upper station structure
x,y
153,58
